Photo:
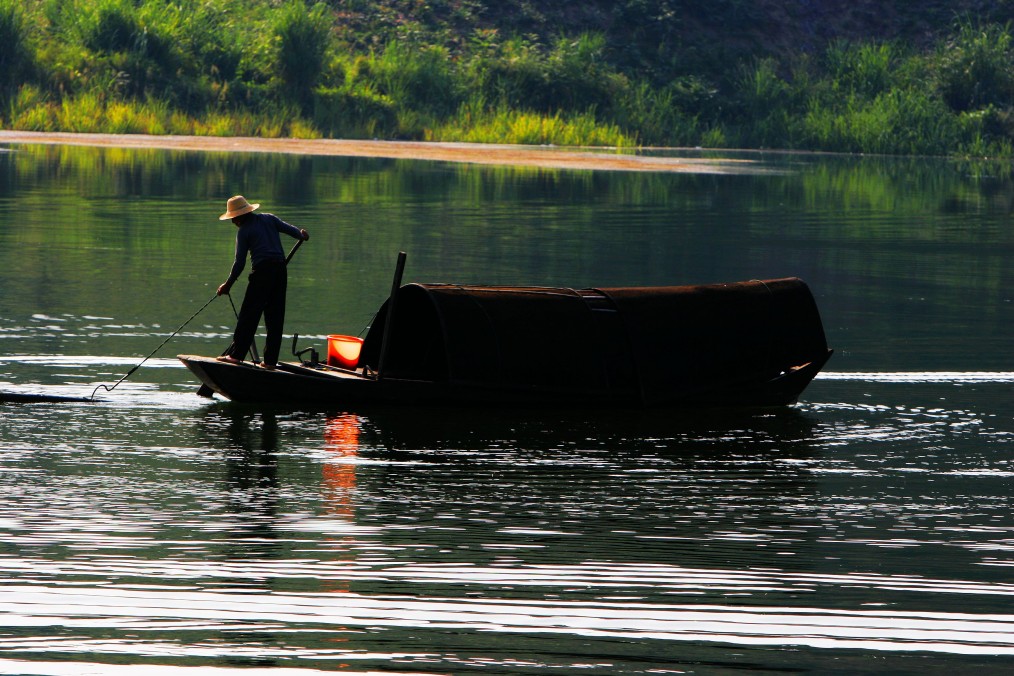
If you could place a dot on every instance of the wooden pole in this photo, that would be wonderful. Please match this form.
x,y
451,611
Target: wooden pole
x,y
389,322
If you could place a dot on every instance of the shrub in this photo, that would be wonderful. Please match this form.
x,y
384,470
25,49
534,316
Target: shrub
x,y
659,115
354,111
901,121
127,44
110,26
864,69
413,78
573,75
512,74
302,38
15,51
30,111
577,76
763,101
976,68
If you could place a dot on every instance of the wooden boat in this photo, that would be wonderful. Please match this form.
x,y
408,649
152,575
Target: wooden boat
x,y
756,343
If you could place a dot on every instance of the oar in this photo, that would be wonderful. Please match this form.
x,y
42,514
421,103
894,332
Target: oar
x,y
204,390
293,251
129,373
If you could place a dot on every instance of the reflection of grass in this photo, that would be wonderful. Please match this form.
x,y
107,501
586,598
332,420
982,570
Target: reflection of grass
x,y
839,205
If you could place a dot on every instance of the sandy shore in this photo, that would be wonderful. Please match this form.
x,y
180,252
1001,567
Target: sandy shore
x,y
474,153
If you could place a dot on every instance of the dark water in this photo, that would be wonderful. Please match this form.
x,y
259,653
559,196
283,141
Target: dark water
x,y
866,530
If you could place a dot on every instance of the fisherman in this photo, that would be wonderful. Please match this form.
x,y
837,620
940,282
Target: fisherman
x,y
265,291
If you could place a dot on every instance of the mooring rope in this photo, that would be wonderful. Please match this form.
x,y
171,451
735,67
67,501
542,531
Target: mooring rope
x,y
171,336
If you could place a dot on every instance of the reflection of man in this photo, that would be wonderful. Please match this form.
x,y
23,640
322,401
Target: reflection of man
x,y
251,493
265,292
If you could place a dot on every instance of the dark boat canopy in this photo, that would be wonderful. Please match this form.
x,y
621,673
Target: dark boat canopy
x,y
653,345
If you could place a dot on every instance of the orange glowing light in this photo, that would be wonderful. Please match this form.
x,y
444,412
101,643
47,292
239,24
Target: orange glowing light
x,y
343,351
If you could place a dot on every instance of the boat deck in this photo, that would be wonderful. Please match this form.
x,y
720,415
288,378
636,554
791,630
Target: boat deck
x,y
323,371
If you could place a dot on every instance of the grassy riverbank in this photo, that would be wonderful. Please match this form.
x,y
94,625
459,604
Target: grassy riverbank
x,y
862,77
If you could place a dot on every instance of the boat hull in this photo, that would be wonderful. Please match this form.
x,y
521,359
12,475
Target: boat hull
x,y
297,384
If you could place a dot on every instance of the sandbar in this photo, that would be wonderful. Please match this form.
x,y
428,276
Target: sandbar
x,y
545,157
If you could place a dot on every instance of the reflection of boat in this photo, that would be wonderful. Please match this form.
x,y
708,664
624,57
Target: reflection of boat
x,y
415,434
756,343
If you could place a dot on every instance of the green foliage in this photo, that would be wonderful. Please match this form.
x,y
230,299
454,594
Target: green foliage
x,y
110,47
863,98
764,102
110,26
415,78
864,69
654,72
354,111
572,75
511,73
212,54
664,116
302,40
976,68
505,125
578,75
30,111
15,49
895,122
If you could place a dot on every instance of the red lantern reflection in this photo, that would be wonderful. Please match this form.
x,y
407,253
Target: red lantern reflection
x,y
341,437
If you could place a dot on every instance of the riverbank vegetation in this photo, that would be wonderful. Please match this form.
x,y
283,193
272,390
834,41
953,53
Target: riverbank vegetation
x,y
727,73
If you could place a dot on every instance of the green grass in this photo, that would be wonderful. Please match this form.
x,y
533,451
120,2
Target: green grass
x,y
504,125
476,71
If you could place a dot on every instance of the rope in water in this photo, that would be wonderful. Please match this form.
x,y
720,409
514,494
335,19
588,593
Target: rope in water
x,y
171,336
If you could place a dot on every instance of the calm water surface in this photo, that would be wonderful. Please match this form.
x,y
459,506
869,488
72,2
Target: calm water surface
x,y
866,530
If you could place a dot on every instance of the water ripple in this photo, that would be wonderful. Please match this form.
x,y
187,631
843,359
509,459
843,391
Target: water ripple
x,y
589,576
22,667
922,376
957,633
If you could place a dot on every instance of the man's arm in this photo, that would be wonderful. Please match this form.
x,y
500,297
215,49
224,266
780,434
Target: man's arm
x,y
237,265
291,230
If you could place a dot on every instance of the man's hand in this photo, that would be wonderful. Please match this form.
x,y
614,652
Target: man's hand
x,y
305,235
224,288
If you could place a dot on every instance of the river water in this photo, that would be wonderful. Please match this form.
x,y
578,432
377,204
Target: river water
x,y
866,530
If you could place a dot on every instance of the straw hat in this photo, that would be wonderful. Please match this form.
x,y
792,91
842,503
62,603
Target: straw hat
x,y
237,206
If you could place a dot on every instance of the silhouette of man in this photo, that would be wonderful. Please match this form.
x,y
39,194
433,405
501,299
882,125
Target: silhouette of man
x,y
258,236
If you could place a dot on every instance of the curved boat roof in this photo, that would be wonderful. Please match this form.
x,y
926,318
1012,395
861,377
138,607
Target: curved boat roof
x,y
652,344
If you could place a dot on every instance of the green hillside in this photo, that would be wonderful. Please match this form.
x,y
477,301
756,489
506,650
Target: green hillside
x,y
932,77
